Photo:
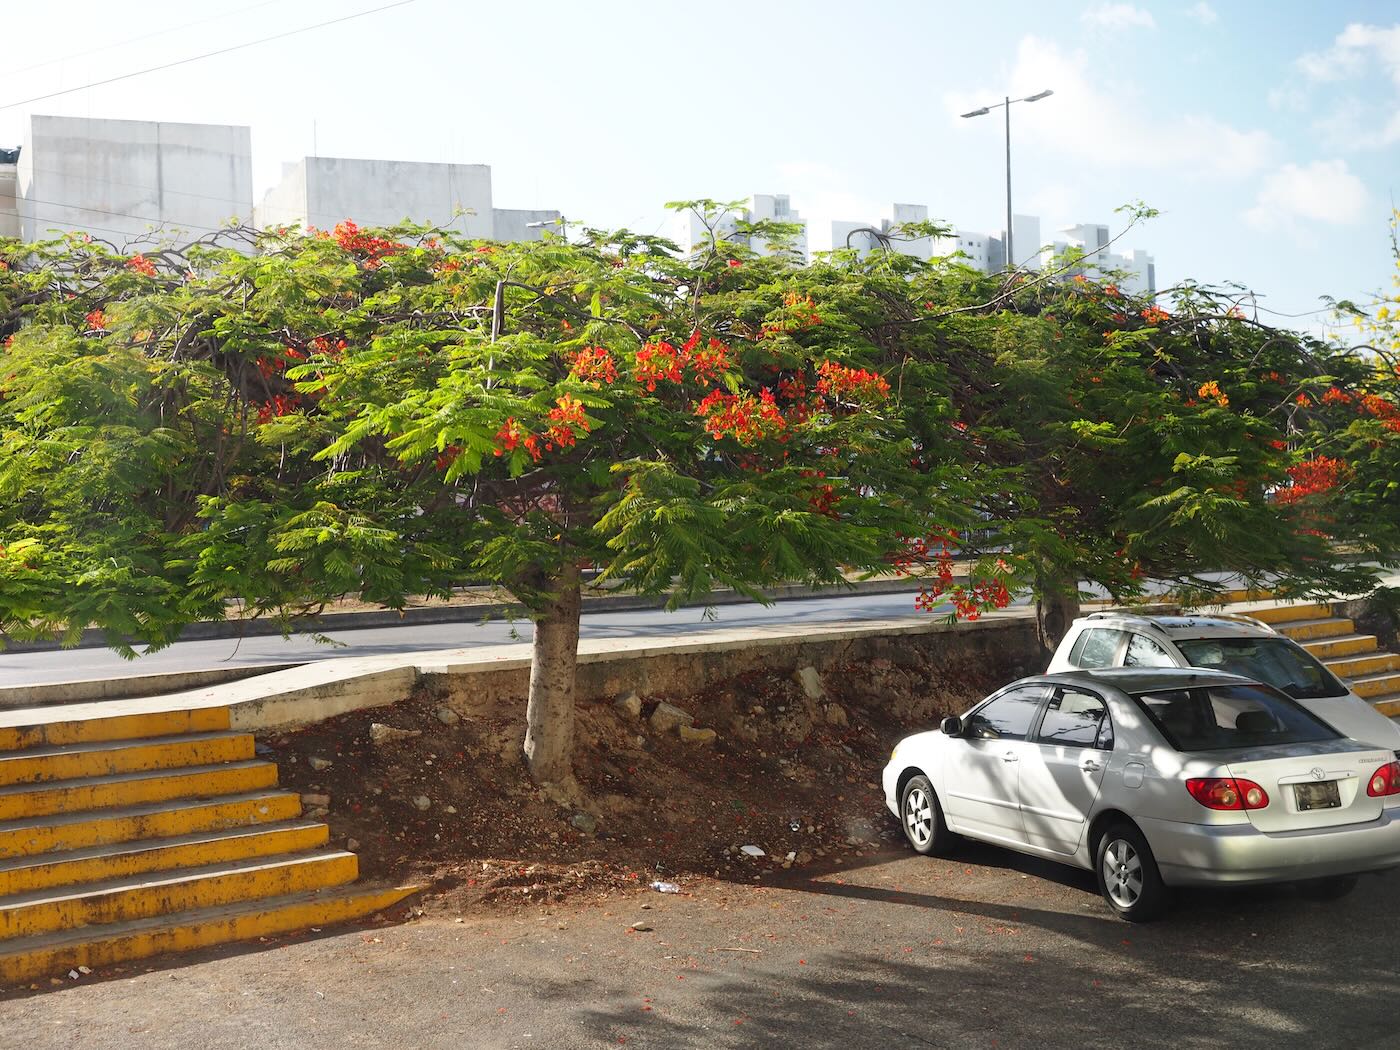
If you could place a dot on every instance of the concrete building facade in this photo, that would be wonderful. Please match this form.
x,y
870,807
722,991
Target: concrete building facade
x,y
131,182
323,191
137,183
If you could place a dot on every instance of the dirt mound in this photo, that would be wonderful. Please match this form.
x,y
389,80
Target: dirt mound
x,y
793,769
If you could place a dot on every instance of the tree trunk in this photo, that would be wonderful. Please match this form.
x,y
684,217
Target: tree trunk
x,y
549,713
1056,606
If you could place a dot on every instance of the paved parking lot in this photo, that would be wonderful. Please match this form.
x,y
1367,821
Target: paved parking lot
x,y
986,950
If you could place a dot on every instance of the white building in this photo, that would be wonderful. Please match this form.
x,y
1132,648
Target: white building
x,y
131,182
323,191
135,183
1135,271
692,233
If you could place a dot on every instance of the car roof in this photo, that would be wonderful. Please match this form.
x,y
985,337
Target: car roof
x,y
1143,679
1185,626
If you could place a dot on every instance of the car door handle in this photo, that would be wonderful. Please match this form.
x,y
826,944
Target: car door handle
x,y
1089,765
1011,756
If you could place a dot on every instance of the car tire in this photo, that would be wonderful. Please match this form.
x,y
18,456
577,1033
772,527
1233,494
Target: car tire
x,y
921,817
1330,889
1127,874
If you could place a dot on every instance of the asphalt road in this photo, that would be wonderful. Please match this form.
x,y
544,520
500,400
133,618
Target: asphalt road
x,y
984,950
83,664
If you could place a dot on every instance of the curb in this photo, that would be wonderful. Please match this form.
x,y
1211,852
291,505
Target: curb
x,y
215,629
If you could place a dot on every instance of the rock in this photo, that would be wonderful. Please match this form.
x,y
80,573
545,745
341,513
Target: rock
x,y
691,735
584,822
640,927
751,851
449,809
315,800
447,716
352,844
836,715
380,734
629,704
811,682
667,717
315,812
319,764
422,803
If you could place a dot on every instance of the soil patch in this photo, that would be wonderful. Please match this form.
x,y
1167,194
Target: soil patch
x,y
793,774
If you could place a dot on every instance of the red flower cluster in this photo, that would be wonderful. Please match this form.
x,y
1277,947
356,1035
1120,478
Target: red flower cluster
x,y
374,249
96,321
657,361
1384,410
1211,392
803,315
280,405
741,416
594,364
566,414
1155,315
1312,477
1336,396
709,364
835,380
140,264
322,345
823,497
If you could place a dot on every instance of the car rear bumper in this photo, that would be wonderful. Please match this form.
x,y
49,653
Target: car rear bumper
x,y
1205,854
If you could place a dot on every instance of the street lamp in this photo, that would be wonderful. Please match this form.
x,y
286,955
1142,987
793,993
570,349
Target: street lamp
x,y
1006,104
546,223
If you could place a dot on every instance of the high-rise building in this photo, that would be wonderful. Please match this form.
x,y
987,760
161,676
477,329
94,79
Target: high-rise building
x,y
692,232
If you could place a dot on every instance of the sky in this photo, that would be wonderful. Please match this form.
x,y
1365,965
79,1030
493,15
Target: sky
x,y
1266,133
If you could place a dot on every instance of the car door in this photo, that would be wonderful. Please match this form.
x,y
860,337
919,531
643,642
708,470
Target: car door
x,y
980,780
1061,775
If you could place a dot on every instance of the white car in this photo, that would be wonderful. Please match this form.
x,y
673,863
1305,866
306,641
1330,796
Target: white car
x,y
1154,778
1236,644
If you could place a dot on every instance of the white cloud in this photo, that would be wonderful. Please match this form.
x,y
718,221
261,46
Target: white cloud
x,y
1203,13
1324,191
1102,126
1119,16
1351,54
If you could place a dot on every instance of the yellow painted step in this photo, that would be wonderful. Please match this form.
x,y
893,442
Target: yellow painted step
x,y
1309,630
106,757
1375,684
39,727
130,789
1346,645
117,860
1236,596
1281,614
30,958
145,896
70,831
1368,663
1388,705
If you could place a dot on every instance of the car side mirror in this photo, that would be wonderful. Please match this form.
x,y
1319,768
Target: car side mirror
x,y
951,726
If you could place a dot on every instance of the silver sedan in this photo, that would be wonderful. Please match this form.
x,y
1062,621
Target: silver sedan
x,y
1152,779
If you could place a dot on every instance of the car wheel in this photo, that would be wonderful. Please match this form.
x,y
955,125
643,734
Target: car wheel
x,y
1128,876
1332,889
922,818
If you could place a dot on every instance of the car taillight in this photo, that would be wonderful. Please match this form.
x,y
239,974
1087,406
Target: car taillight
x,y
1227,793
1385,781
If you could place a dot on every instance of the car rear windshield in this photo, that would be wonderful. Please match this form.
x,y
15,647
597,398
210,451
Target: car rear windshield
x,y
1230,716
1277,661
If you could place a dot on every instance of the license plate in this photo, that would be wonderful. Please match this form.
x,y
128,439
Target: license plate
x,y
1317,796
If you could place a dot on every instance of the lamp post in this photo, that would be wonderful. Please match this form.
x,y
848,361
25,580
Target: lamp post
x,y
1005,104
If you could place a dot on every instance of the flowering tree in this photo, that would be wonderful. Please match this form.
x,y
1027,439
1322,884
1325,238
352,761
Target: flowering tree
x,y
397,412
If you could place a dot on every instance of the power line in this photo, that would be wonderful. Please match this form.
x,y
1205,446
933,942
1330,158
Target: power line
x,y
207,54
135,39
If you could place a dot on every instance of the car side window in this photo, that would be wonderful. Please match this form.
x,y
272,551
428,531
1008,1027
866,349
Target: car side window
x,y
1008,717
1074,719
1096,647
1144,652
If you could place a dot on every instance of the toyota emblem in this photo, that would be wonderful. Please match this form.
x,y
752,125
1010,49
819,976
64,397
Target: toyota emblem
x,y
1317,773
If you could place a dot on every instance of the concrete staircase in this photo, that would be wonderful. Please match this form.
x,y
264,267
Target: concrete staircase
x,y
127,836
1355,658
